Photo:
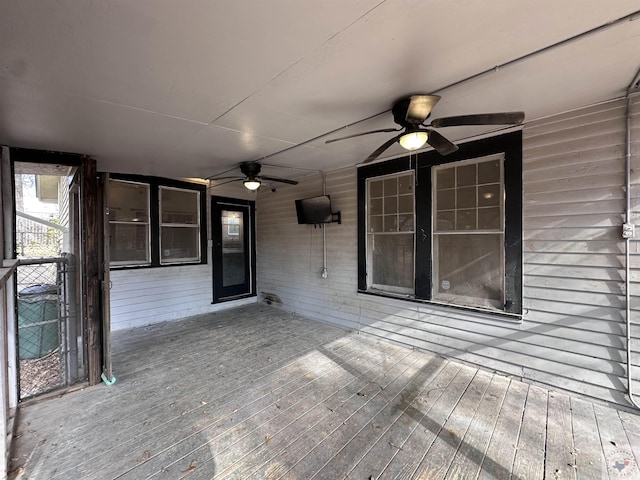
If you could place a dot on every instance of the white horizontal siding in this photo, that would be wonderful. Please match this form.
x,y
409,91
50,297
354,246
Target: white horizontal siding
x,y
573,332
146,296
152,295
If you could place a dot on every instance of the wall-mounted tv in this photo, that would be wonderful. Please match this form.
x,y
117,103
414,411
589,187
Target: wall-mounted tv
x,y
314,210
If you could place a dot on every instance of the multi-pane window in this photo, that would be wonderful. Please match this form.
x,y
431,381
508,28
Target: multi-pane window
x,y
232,223
154,222
445,229
129,223
390,236
179,225
468,233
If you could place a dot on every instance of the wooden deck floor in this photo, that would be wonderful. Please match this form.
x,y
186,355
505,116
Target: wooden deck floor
x,y
256,393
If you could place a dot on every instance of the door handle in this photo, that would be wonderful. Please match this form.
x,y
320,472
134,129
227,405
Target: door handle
x,y
423,235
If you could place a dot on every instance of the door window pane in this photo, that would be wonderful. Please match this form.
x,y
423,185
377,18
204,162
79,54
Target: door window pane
x,y
233,249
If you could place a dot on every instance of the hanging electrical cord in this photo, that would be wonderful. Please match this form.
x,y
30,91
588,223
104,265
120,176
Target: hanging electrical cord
x,y
325,272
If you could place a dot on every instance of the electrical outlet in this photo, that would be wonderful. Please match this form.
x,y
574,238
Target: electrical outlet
x,y
628,230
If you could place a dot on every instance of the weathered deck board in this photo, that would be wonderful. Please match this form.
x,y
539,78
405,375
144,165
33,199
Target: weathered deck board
x,y
221,446
227,423
588,450
469,456
259,393
529,462
560,459
498,460
439,457
286,432
618,454
632,429
370,433
407,461
345,414
380,455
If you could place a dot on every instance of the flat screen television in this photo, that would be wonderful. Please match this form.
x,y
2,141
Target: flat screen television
x,y
314,210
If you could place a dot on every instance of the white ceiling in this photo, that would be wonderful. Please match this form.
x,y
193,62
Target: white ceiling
x,y
190,88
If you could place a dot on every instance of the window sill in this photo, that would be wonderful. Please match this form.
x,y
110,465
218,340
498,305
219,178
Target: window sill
x,y
163,265
444,307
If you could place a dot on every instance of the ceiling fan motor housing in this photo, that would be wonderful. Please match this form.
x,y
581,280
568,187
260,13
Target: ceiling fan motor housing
x,y
413,110
399,111
250,169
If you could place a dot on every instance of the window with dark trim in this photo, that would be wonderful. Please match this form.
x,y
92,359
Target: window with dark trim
x,y
445,229
156,222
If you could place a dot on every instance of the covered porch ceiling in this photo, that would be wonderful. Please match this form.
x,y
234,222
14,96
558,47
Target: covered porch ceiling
x,y
190,88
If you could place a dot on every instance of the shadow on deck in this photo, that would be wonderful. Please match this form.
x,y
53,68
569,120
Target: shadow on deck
x,y
256,392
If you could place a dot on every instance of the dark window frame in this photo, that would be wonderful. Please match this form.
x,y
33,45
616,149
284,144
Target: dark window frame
x,y
154,218
510,145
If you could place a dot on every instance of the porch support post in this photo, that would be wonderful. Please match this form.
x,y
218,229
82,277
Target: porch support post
x,y
91,279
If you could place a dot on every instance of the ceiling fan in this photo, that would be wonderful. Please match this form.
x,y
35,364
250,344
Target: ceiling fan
x,y
252,178
411,113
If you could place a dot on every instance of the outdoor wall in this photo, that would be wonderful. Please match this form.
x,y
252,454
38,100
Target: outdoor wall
x,y
144,296
152,295
572,335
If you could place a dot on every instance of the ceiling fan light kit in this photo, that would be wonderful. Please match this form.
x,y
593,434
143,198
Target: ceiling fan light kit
x,y
252,179
411,113
413,140
252,184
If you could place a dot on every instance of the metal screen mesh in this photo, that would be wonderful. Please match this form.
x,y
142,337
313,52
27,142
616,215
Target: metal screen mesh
x,y
41,325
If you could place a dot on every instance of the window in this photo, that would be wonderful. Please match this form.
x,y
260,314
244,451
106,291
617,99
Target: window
x,y
155,221
129,223
179,227
390,233
468,233
445,229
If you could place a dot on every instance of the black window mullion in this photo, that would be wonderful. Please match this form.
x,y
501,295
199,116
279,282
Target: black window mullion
x,y
154,195
513,224
423,235
362,234
203,226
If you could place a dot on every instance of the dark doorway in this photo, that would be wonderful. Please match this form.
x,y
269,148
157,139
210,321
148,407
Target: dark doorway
x,y
51,332
233,230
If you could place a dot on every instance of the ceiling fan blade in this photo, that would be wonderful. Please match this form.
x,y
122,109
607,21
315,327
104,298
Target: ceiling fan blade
x,y
277,179
227,180
440,143
382,148
420,107
234,177
221,173
503,118
364,133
